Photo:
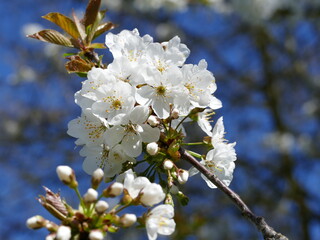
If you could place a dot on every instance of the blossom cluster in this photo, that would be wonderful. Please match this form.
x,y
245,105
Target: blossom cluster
x,y
125,105
136,107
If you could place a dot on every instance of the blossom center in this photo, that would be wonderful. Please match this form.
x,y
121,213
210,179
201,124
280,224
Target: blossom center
x,y
161,90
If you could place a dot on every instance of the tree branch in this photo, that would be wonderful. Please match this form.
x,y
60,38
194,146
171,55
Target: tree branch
x,y
268,232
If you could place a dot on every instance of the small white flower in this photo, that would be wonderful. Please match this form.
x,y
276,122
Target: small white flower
x,y
88,128
110,160
90,196
159,221
101,206
151,193
113,101
219,160
131,136
152,148
63,233
96,235
128,219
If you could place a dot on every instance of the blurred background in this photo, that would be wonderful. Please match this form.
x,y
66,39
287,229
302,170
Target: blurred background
x,y
265,55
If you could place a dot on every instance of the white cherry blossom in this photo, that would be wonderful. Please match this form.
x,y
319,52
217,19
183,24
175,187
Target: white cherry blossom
x,y
112,101
88,128
136,131
150,193
160,221
109,159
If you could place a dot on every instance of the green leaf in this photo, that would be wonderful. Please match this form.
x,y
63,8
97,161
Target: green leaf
x,y
52,36
64,22
103,28
91,12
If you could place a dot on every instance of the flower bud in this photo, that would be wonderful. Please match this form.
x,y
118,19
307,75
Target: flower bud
x,y
175,113
152,148
167,164
114,190
63,233
153,121
90,196
96,235
97,177
183,176
67,176
128,220
101,206
36,222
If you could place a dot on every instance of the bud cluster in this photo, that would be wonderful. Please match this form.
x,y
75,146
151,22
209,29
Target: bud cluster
x,y
95,217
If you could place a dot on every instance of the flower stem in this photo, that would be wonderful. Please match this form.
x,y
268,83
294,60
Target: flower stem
x,y
194,154
193,144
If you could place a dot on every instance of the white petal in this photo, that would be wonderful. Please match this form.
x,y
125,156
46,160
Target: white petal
x,y
149,133
132,144
139,114
114,135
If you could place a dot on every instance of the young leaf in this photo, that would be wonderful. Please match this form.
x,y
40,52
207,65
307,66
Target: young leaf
x,y
80,26
103,28
52,36
64,22
91,29
77,64
91,12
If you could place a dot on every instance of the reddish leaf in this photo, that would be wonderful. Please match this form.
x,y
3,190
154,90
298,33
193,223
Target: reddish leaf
x,y
64,22
91,12
77,65
80,26
103,28
52,36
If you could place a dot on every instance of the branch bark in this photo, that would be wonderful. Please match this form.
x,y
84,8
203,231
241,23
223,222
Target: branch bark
x,y
268,232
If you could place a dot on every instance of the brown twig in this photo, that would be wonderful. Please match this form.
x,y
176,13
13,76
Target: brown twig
x,y
268,232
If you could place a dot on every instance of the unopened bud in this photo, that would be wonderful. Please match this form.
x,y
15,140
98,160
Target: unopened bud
x,y
63,233
96,235
114,190
128,220
152,148
175,113
67,176
153,121
101,206
90,196
36,222
183,176
97,178
167,164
